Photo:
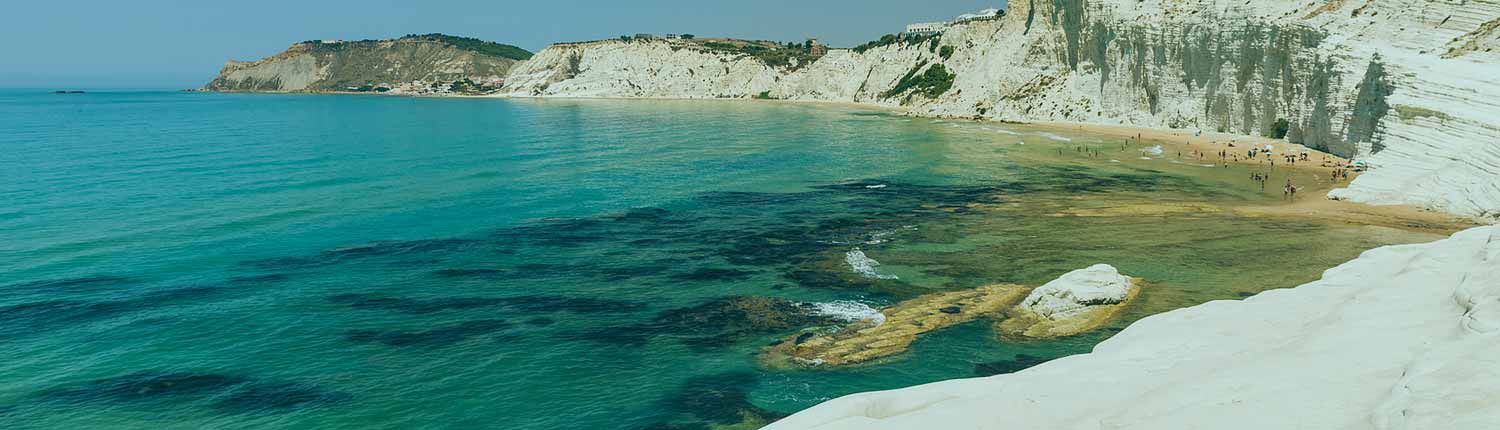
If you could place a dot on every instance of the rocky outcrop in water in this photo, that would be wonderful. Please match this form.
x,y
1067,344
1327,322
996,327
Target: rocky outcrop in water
x,y
363,65
892,334
1398,83
1079,301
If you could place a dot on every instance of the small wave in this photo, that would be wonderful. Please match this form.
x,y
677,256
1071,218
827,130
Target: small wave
x,y
1114,161
1209,165
1004,131
849,311
1145,158
1020,142
875,187
880,237
1155,150
865,266
1054,137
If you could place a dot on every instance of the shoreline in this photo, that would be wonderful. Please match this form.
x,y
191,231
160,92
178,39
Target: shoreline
x,y
1394,215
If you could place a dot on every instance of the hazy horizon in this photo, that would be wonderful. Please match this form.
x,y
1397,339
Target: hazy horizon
x,y
164,44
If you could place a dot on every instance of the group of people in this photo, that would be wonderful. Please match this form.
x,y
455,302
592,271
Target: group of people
x,y
1340,174
1288,192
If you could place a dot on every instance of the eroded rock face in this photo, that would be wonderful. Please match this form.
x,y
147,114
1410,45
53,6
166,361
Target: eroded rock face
x,y
1077,291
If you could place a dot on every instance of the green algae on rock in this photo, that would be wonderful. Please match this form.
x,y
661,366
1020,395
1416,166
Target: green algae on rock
x,y
872,339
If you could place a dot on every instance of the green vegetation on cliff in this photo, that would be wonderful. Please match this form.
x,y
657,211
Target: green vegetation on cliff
x,y
892,39
788,55
932,83
476,45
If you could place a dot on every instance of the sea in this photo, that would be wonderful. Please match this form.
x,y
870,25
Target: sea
x,y
173,260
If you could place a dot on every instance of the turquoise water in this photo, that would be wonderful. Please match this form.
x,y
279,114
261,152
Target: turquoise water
x,y
178,260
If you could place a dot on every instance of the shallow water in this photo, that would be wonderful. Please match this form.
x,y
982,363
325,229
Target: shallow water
x,y
176,260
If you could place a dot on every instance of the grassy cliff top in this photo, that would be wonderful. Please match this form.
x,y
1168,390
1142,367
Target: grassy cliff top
x,y
464,43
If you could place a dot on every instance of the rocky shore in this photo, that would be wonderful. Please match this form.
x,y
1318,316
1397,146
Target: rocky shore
x,y
1402,337
1079,301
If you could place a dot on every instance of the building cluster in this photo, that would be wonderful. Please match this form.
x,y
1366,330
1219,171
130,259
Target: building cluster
x,y
816,48
929,28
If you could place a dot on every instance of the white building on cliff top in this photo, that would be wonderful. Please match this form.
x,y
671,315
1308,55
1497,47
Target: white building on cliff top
x,y
939,27
926,27
990,13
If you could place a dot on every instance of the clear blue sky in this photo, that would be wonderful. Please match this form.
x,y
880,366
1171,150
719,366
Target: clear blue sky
x,y
181,44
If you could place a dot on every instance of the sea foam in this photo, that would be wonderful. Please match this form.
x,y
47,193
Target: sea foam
x,y
849,311
864,265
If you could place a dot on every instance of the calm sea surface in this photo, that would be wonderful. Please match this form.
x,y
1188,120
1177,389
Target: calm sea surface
x,y
190,261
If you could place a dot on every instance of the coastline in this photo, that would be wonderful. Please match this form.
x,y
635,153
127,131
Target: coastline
x,y
838,413
1013,399
1410,216
1389,215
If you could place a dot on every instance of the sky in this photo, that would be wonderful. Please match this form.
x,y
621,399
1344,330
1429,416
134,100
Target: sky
x,y
182,44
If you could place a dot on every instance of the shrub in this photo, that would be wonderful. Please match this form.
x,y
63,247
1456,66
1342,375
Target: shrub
x,y
892,39
932,83
946,52
476,45
771,53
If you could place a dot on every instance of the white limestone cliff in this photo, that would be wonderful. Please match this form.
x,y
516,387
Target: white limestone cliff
x,y
1406,85
1404,337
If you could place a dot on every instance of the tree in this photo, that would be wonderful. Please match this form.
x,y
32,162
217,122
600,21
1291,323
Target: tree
x,y
624,38
687,36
